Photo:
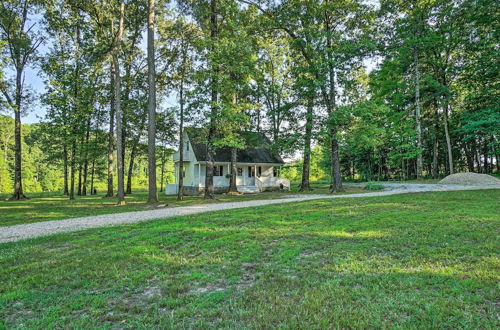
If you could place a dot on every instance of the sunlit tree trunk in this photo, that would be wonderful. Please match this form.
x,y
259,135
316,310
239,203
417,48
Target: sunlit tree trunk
x,y
92,178
209,172
72,166
435,147
131,168
86,162
233,189
152,194
75,117
330,98
18,182
180,192
305,184
418,127
65,165
118,109
448,139
111,129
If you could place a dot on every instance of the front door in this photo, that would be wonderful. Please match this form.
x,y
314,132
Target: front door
x,y
239,176
251,176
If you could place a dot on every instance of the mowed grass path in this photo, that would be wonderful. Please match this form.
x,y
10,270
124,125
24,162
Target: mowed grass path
x,y
54,206
427,260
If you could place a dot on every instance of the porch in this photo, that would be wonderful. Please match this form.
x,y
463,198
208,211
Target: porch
x,y
250,178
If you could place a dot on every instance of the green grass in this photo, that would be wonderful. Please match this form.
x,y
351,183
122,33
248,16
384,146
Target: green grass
x,y
54,206
428,260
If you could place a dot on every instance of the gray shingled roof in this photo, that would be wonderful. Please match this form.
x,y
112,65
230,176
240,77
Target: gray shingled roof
x,y
257,150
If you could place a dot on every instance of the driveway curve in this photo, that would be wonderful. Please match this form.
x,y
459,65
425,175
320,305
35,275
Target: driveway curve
x,y
37,229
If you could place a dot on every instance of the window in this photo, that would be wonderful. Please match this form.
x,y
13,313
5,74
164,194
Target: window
x,y
251,171
239,172
259,171
275,172
187,146
218,170
183,172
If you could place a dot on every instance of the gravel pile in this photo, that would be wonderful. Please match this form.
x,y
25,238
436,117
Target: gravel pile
x,y
470,178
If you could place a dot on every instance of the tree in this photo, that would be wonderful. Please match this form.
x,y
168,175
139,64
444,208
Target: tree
x,y
117,106
21,46
332,37
152,196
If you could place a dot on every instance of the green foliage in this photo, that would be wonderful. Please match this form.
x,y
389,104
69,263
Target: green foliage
x,y
374,186
318,170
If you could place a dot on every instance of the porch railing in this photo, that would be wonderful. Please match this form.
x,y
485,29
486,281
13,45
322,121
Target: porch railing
x,y
264,182
258,183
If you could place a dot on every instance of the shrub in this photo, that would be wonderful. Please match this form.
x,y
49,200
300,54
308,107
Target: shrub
x,y
374,186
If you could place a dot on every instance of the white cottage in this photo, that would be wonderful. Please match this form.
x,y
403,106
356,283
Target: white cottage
x,y
258,167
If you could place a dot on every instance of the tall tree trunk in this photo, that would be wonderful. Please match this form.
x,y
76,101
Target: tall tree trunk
x,y
180,190
418,127
330,98
448,140
18,183
435,159
498,163
75,117
80,177
305,184
80,167
477,157
469,156
72,166
92,178
435,147
485,157
118,110
86,162
152,196
65,162
209,171
124,145
233,189
131,167
111,131
162,172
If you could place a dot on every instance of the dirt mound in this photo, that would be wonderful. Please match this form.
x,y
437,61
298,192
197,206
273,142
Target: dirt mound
x,y
470,178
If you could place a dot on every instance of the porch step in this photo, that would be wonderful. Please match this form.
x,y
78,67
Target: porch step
x,y
248,189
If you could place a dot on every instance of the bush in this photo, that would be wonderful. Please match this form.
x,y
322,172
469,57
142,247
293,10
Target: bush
x,y
374,186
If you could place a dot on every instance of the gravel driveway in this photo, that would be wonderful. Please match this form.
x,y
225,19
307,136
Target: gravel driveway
x,y
20,232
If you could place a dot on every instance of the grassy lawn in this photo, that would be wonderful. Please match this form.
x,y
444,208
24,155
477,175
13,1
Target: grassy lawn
x,y
54,206
428,260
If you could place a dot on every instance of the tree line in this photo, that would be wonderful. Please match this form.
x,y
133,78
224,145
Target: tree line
x,y
360,90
